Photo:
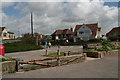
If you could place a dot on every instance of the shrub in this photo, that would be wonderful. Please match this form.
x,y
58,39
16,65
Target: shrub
x,y
114,38
94,40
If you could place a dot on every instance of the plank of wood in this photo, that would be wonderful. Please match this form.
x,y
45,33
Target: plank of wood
x,y
71,60
34,63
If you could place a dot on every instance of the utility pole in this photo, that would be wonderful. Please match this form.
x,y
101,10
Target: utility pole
x,y
31,24
18,34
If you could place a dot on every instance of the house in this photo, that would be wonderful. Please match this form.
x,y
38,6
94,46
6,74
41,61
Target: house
x,y
5,34
87,31
114,32
48,37
41,37
65,34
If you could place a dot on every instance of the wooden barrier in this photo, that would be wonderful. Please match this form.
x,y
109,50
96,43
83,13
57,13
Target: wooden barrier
x,y
56,61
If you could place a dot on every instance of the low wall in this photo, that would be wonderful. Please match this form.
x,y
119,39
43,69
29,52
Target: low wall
x,y
102,54
109,53
8,66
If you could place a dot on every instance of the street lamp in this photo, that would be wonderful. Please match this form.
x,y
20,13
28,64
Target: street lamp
x,y
58,51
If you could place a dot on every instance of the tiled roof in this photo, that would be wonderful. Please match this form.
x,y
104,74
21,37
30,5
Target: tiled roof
x,y
1,29
57,32
65,31
11,32
114,30
93,27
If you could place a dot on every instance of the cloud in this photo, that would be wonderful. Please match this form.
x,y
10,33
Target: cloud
x,y
49,16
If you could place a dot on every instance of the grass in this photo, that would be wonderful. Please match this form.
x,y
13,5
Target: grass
x,y
20,46
54,54
61,53
11,71
7,59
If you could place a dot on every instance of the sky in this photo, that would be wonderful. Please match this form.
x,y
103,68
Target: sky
x,y
50,16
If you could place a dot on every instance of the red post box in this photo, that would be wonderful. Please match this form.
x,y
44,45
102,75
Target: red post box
x,y
2,52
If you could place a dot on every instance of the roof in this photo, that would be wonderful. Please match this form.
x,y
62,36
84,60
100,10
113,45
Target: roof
x,y
65,31
1,29
94,27
10,32
114,30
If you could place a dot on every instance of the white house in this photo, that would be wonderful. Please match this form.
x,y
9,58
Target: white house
x,y
4,34
87,31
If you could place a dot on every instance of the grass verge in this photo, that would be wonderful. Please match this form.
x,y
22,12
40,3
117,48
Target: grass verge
x,y
20,46
54,54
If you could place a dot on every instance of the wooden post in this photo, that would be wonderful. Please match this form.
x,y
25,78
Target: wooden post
x,y
36,40
58,60
46,52
16,67
68,53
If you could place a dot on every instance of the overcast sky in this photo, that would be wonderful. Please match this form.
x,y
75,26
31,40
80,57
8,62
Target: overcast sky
x,y
49,16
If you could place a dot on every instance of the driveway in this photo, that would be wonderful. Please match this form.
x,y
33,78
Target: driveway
x,y
100,68
30,55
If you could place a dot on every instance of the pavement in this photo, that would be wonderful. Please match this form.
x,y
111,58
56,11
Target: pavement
x,y
37,54
91,68
99,68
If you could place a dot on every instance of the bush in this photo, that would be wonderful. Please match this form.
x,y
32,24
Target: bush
x,y
94,40
114,38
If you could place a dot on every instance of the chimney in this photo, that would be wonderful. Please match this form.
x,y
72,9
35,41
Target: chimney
x,y
71,29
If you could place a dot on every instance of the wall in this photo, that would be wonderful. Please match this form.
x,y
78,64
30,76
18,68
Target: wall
x,y
102,54
7,35
8,66
86,32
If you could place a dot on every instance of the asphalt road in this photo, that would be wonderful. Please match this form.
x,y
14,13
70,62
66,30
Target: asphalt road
x,y
100,68
30,55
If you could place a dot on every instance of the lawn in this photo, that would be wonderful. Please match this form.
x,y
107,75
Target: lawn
x,y
54,54
8,59
62,53
20,46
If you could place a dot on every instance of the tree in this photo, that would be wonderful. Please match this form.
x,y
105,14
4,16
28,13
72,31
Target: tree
x,y
28,38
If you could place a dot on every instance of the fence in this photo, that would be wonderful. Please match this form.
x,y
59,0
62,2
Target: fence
x,y
55,61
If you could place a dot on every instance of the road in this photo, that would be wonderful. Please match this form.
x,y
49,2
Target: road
x,y
30,55
100,68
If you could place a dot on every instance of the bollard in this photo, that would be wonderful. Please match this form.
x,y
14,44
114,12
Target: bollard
x,y
58,60
68,53
64,54
46,52
16,68
2,50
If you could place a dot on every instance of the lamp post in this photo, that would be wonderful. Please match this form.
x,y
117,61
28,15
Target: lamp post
x,y
58,51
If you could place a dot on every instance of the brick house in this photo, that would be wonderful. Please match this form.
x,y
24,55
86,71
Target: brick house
x,y
114,32
65,34
5,34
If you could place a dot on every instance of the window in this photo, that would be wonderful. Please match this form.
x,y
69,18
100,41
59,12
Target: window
x,y
5,34
81,32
